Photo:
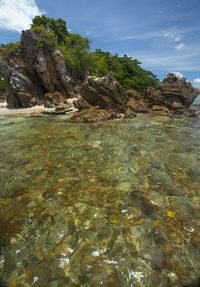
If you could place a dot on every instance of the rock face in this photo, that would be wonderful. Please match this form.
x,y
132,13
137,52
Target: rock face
x,y
105,92
136,102
174,93
34,71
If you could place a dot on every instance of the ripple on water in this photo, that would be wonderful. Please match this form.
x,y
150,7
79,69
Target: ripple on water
x,y
102,204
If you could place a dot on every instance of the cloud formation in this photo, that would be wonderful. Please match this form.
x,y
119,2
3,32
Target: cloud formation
x,y
17,15
196,83
179,46
178,38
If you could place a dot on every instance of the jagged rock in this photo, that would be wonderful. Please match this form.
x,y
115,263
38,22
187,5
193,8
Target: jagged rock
x,y
35,71
37,75
25,99
138,106
105,92
160,110
81,104
54,100
174,92
12,101
94,114
2,98
129,114
136,102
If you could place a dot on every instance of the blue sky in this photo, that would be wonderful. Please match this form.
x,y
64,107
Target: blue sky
x,y
163,34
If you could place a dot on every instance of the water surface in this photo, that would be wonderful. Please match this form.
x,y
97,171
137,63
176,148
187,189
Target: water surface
x,y
103,204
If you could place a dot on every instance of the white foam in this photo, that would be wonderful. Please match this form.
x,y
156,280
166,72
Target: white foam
x,y
22,111
3,105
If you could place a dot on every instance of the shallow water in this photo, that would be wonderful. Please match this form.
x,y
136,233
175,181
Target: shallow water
x,y
103,204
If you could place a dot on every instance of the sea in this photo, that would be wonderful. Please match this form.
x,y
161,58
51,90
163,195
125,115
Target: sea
x,y
113,203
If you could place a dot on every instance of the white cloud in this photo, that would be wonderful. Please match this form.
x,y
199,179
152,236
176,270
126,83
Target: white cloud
x,y
196,83
178,38
180,46
17,15
182,62
174,34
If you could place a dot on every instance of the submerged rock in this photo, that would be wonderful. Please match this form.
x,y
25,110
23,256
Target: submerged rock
x,y
94,114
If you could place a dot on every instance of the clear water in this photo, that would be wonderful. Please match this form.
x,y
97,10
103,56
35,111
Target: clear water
x,y
105,204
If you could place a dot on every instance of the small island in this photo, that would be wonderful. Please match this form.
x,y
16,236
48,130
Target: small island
x,y
52,68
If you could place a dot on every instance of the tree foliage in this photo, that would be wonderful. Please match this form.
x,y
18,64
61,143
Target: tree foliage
x,y
3,82
74,47
127,70
57,26
79,59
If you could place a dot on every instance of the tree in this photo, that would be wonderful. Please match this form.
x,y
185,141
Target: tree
x,y
74,47
57,26
3,82
127,70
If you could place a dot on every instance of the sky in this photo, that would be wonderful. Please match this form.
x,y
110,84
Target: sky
x,y
162,34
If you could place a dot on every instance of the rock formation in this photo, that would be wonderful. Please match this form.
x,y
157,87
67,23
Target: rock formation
x,y
105,92
94,114
173,93
38,76
34,71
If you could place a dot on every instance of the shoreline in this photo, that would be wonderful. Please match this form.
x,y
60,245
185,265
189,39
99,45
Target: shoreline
x,y
33,111
40,111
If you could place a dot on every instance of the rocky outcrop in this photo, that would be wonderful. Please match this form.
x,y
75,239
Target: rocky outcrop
x,y
38,76
173,93
136,102
129,114
159,110
105,92
34,71
94,114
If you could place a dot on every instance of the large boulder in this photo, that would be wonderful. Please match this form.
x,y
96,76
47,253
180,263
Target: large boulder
x,y
105,92
136,102
94,114
174,92
33,71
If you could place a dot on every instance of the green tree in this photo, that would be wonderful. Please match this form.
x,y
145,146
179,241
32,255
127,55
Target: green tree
x,y
127,70
73,46
57,26
3,82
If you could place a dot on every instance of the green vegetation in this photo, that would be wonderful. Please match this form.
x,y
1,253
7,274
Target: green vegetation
x,y
6,50
3,83
127,70
9,48
57,26
80,60
74,47
47,38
